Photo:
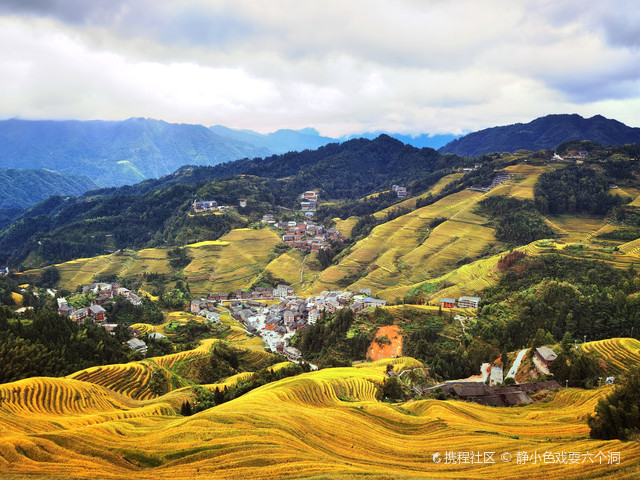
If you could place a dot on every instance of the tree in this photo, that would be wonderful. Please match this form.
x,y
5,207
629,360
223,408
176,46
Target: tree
x,y
576,369
392,389
186,409
618,414
218,396
566,343
504,359
159,383
49,277
540,338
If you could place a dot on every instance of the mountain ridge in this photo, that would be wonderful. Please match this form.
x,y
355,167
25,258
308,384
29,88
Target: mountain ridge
x,y
543,133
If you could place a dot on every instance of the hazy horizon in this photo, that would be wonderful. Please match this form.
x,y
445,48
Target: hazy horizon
x,y
405,67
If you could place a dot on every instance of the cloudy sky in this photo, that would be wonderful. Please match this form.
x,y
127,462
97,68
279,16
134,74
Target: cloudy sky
x,y
344,66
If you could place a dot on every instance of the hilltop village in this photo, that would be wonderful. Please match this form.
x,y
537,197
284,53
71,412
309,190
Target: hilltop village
x,y
277,323
303,235
98,294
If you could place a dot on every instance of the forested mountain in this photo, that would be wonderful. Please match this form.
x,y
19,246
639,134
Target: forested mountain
x,y
115,153
543,133
23,188
158,212
155,212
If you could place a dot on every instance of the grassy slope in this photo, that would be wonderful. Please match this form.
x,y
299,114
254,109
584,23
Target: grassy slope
x,y
324,424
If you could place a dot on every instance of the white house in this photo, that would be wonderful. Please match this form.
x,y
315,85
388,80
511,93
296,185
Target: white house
x,y
468,302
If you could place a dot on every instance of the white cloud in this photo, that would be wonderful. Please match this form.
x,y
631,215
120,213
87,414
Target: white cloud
x,y
410,66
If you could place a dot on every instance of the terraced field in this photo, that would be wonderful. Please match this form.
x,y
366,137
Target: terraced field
x,y
40,404
386,258
523,187
289,267
145,328
345,226
17,299
631,248
410,203
82,271
229,382
231,263
168,361
577,228
625,192
617,353
324,424
404,252
131,379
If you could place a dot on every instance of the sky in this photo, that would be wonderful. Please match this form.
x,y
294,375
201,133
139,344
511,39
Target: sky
x,y
342,67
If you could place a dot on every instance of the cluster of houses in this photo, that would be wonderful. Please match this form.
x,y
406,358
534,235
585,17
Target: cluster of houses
x,y
308,236
259,293
498,180
107,291
96,313
104,292
277,323
577,155
205,307
210,206
401,192
309,201
475,167
574,154
462,302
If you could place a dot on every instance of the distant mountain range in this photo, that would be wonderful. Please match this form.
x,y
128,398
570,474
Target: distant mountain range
x,y
543,133
281,141
115,153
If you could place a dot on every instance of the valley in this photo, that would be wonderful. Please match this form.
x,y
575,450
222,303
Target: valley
x,y
215,400
390,240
